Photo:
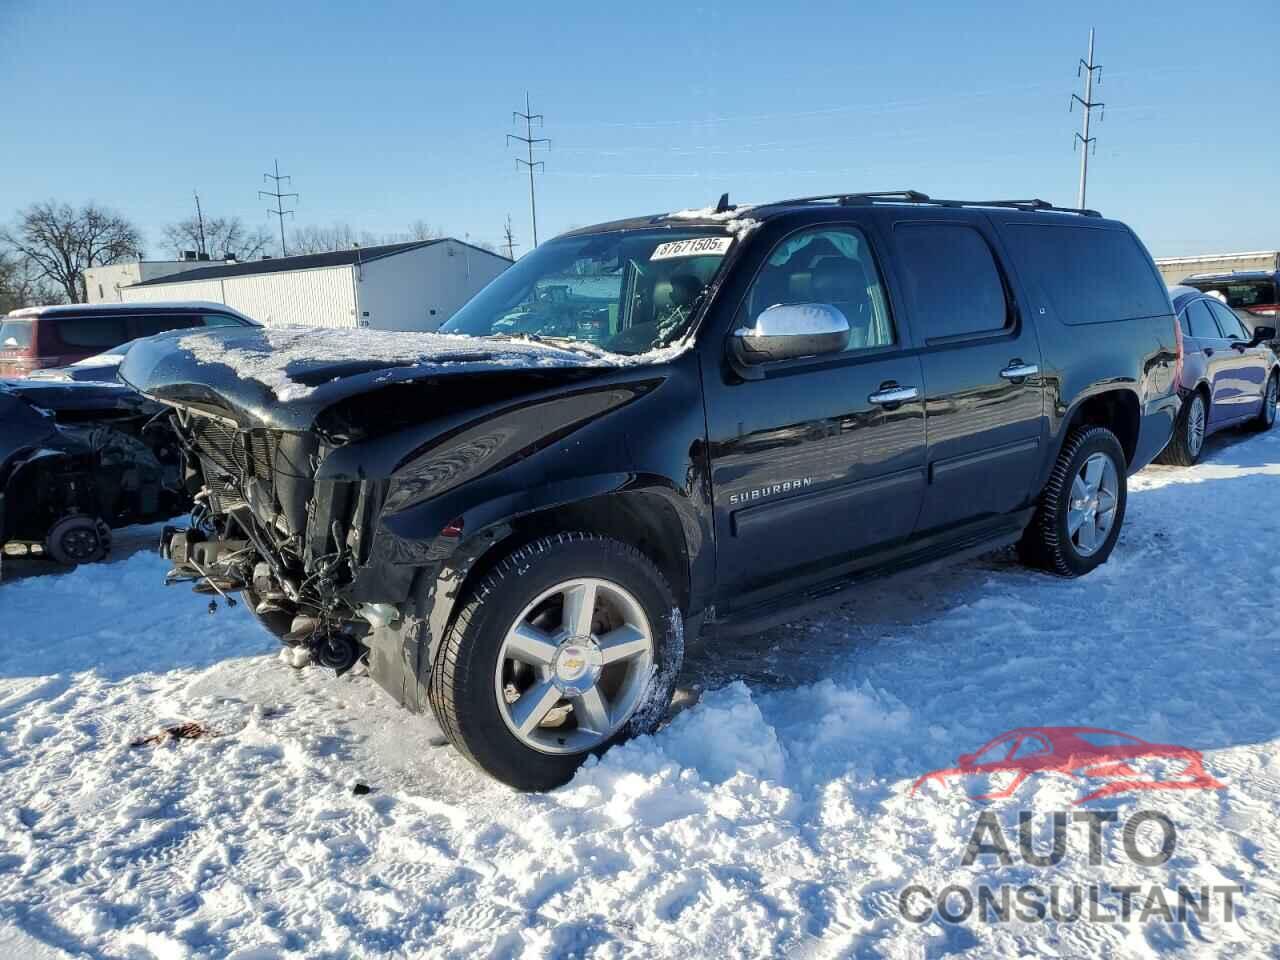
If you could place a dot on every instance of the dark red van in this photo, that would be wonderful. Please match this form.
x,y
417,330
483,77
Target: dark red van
x,y
37,337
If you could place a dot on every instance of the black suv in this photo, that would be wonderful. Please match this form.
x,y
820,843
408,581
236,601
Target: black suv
x,y
662,428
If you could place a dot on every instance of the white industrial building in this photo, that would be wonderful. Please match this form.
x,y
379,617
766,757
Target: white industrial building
x,y
1173,269
103,284
396,286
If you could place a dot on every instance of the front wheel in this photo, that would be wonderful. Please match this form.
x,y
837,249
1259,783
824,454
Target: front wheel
x,y
570,645
1077,523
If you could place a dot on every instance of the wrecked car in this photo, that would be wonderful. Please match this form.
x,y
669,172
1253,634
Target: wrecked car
x,y
663,429
76,461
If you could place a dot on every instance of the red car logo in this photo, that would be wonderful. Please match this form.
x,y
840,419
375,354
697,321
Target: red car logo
x,y
1083,753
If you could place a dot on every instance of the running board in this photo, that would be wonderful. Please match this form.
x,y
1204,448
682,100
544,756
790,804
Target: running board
x,y
835,593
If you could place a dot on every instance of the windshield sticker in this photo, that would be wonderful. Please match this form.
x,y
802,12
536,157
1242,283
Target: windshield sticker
x,y
694,247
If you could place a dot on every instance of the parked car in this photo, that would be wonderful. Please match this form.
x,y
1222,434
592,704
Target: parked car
x,y
1254,295
520,531
77,460
1229,376
39,338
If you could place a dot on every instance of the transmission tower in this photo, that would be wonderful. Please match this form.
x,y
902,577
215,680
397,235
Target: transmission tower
x,y
529,140
201,248
510,241
277,178
1088,105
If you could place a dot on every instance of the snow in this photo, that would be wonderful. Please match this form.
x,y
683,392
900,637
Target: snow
x,y
732,220
272,355
772,817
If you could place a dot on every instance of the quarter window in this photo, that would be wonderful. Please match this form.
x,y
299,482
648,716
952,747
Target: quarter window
x,y
830,265
952,281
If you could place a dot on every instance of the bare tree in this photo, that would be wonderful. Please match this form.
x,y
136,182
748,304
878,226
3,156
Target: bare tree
x,y
20,287
60,243
338,236
225,237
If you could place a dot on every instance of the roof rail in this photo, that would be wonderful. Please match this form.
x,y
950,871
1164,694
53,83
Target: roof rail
x,y
915,196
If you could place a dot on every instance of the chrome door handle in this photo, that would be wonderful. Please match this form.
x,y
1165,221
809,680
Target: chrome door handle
x,y
1019,371
892,396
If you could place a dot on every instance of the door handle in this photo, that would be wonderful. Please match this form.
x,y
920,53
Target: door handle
x,y
1019,371
891,395
1208,351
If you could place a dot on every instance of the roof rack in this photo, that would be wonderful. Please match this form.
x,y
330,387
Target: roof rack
x,y
915,196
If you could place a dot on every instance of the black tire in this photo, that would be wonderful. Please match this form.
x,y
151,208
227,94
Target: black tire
x,y
1047,542
1182,450
78,539
1266,417
462,690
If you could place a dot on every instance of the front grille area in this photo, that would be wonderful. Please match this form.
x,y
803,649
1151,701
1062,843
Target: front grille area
x,y
232,458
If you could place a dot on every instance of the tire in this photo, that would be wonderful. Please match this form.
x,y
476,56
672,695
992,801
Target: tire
x,y
1266,417
534,587
78,539
1185,446
1049,542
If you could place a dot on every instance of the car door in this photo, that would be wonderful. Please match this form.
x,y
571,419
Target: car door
x,y
815,463
984,396
1245,367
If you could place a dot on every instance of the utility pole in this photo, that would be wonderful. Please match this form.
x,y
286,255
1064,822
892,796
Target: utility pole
x,y
279,211
201,249
510,243
1087,104
529,140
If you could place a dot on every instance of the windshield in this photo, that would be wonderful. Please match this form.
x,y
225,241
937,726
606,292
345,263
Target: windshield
x,y
1240,294
15,334
114,355
626,292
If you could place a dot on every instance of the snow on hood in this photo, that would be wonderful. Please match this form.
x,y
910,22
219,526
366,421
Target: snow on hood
x,y
733,220
276,358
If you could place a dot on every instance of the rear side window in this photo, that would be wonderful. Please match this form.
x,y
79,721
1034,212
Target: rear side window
x,y
93,332
952,281
15,334
1200,321
1089,274
149,325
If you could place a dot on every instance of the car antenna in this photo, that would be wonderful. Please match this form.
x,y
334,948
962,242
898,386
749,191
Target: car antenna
x,y
723,206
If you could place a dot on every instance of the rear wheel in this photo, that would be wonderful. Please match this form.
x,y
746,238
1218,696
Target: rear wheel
x,y
1081,509
567,647
1187,441
1266,417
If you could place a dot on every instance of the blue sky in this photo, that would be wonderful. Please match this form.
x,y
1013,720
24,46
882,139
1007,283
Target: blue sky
x,y
386,113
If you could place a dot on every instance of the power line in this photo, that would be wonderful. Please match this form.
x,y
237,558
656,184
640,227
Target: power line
x,y
529,140
279,211
510,242
1087,104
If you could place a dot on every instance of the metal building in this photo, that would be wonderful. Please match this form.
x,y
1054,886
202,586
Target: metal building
x,y
396,286
1173,269
103,284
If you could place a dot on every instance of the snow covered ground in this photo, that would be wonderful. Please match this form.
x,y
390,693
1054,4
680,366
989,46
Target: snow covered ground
x,y
774,817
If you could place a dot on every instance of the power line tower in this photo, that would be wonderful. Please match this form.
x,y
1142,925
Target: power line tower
x,y
201,248
510,241
1087,104
279,211
529,140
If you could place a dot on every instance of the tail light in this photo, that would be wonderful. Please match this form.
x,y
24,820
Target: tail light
x,y
1177,366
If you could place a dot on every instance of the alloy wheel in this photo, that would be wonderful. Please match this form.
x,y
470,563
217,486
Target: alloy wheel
x,y
574,666
1094,497
1195,426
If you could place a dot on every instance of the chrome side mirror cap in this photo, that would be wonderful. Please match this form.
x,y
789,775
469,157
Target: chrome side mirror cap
x,y
790,331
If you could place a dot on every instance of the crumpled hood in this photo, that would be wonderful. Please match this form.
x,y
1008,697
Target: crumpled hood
x,y
284,378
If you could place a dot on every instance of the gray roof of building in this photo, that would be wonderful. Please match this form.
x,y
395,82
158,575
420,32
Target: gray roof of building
x,y
334,258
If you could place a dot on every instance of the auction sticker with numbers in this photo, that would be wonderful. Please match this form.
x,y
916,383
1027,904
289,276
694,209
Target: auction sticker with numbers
x,y
693,247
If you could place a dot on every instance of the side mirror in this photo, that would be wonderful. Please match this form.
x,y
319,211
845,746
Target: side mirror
x,y
792,330
1262,335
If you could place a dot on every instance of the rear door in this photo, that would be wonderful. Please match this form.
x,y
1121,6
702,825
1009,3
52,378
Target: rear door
x,y
1245,367
1203,338
984,396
